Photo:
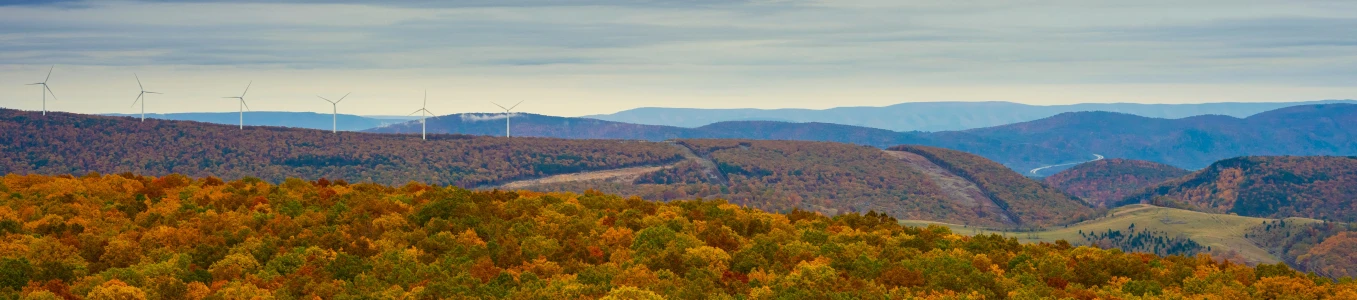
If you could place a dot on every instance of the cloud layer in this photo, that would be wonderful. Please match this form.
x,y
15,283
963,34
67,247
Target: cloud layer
x,y
597,56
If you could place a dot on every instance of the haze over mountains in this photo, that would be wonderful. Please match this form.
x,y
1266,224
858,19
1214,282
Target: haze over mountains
x,y
308,120
934,116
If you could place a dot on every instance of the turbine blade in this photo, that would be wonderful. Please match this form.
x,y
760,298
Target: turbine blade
x,y
426,98
49,73
323,98
134,102
143,88
247,105
341,99
515,105
247,88
49,91
500,106
431,113
416,111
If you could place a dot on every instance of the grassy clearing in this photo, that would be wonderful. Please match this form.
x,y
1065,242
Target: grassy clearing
x,y
1219,231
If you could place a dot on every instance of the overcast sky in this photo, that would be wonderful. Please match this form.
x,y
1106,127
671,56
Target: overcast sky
x,y
602,56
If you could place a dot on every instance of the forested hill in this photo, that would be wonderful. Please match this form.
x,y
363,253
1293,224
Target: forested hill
x,y
835,178
1320,187
1109,180
174,237
63,143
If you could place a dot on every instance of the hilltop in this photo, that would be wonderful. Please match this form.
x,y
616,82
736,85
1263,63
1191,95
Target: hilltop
x,y
1319,187
1105,181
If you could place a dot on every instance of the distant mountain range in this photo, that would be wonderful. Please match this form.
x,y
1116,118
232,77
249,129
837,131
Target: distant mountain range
x,y
284,119
1189,143
934,116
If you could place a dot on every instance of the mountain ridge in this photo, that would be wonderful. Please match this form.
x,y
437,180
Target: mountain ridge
x,y
934,116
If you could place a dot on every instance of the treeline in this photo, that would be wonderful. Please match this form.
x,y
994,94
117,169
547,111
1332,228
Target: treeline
x,y
1319,187
1106,181
175,237
1328,248
1156,242
62,143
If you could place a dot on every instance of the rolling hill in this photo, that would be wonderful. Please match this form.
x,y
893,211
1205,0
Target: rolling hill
x,y
907,182
1320,187
1106,181
63,143
933,116
308,120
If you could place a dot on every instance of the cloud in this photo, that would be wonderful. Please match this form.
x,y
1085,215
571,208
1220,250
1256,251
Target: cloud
x,y
485,117
707,52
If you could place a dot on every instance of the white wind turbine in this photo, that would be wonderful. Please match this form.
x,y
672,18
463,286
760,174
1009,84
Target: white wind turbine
x,y
46,90
507,115
334,120
243,106
141,97
423,112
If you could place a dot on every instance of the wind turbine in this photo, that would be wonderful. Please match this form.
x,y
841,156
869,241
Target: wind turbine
x,y
46,89
243,106
334,121
141,97
423,126
507,115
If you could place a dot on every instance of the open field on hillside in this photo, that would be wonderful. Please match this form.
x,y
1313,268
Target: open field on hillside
x,y
1219,231
623,175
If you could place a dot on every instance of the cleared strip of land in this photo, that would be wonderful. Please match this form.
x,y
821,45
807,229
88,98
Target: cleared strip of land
x,y
619,174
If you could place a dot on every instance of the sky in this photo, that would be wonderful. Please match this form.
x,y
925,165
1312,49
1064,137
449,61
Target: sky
x,y
582,57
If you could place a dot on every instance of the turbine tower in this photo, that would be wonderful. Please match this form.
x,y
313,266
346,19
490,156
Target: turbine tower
x,y
423,110
46,90
141,97
243,106
334,120
507,115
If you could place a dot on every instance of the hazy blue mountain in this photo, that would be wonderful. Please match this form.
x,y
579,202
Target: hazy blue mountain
x,y
935,116
1190,143
284,119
